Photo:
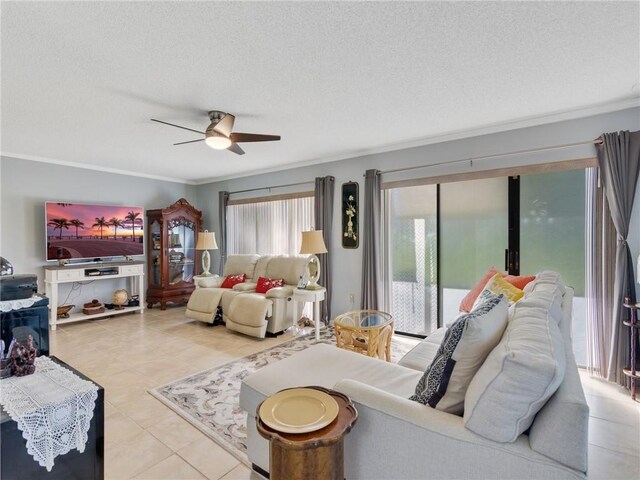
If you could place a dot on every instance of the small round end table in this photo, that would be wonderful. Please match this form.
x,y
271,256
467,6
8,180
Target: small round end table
x,y
315,455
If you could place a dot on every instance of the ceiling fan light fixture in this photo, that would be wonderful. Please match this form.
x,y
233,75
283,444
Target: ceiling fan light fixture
x,y
217,141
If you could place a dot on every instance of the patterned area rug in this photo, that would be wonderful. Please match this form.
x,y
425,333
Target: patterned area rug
x,y
209,399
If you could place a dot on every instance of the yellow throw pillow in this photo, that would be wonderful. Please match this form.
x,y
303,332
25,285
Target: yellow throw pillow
x,y
499,285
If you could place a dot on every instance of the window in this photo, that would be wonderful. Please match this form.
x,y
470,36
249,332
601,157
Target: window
x,y
264,226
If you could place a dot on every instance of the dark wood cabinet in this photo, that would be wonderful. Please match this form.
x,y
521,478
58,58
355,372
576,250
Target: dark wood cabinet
x,y
171,252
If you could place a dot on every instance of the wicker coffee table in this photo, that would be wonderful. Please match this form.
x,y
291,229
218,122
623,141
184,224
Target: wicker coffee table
x,y
365,331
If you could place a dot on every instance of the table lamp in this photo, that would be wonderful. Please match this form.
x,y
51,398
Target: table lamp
x,y
206,242
312,242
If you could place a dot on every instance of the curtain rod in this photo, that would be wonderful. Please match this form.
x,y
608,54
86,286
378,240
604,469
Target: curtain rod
x,y
269,188
497,155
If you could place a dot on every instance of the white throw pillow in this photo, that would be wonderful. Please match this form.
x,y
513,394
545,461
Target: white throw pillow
x,y
462,351
518,376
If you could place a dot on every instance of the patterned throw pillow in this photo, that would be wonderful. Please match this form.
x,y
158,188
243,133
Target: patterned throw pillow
x,y
265,284
461,354
232,280
500,286
466,305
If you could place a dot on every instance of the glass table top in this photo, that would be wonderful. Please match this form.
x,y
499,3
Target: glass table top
x,y
363,319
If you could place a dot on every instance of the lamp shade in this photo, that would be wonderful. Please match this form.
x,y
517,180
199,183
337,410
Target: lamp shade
x,y
312,242
206,241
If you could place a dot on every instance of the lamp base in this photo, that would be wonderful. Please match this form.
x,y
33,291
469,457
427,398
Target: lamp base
x,y
206,264
315,286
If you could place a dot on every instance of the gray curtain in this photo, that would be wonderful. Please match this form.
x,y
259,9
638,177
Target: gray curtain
x,y
370,236
600,271
323,210
223,201
619,162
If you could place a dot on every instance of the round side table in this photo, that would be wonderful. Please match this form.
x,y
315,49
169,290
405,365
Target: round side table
x,y
315,455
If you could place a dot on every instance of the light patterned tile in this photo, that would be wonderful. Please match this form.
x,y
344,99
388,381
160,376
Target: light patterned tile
x,y
614,436
175,432
242,472
146,411
609,465
118,429
128,459
209,458
172,468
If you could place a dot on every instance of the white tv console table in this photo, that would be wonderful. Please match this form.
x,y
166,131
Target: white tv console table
x,y
54,276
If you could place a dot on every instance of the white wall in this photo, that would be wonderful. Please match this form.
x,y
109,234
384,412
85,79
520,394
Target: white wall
x,y
346,263
26,185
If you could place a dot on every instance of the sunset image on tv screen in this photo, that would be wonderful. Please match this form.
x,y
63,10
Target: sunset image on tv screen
x,y
93,231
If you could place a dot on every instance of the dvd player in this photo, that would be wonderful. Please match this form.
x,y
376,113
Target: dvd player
x,y
98,272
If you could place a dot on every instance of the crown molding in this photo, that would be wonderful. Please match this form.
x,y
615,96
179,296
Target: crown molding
x,y
97,168
531,121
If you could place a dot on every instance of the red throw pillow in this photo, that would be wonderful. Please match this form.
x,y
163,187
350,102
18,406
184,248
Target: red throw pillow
x,y
265,284
519,282
231,280
467,302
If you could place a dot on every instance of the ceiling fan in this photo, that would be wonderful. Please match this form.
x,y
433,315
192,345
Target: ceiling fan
x,y
219,135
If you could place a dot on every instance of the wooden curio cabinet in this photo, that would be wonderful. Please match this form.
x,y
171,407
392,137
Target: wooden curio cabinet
x,y
171,264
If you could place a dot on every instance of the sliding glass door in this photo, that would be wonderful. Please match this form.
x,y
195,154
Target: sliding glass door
x,y
441,239
411,221
474,236
552,237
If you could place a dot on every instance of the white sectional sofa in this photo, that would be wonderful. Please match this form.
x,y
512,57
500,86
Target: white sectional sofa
x,y
396,438
257,313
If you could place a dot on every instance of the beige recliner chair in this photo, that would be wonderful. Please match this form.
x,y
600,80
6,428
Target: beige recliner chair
x,y
257,313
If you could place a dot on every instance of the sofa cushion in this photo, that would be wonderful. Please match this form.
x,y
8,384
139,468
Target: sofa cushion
x,y
324,365
421,356
239,264
518,376
213,281
266,284
464,347
288,267
231,280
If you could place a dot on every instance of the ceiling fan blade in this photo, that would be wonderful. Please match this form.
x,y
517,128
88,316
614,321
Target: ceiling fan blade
x,y
190,141
252,137
177,126
235,148
225,125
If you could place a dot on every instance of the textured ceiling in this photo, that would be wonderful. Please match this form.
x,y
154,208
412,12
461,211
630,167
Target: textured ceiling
x,y
80,81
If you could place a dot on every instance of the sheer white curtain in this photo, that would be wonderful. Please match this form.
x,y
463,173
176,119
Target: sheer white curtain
x,y
269,227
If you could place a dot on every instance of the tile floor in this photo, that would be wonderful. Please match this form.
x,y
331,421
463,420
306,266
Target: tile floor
x,y
129,354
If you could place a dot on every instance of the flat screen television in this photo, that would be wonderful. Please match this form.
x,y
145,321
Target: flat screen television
x,y
85,231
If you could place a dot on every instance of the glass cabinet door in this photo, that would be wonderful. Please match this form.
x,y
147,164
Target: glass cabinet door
x,y
155,248
181,251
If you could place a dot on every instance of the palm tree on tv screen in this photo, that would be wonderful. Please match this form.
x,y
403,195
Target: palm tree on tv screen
x,y
59,223
115,223
78,224
100,222
132,217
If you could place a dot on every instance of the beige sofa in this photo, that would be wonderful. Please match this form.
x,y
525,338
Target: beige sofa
x,y
243,309
398,438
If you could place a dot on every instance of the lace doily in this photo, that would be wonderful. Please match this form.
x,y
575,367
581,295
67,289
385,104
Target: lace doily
x,y
53,409
8,305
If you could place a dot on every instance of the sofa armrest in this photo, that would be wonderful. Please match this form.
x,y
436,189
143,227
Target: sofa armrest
x,y
425,439
284,291
210,282
404,409
245,287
